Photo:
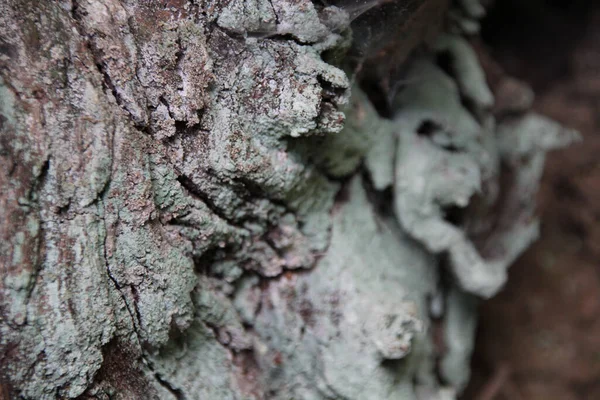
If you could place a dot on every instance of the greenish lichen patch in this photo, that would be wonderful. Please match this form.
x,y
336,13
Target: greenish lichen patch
x,y
361,305
191,186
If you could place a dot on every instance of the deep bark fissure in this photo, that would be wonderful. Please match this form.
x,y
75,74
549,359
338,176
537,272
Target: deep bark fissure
x,y
178,393
195,191
35,192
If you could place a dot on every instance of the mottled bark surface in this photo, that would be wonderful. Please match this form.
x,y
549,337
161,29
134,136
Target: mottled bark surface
x,y
195,206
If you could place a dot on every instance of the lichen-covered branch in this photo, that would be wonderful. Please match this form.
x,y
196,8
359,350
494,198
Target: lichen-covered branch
x,y
194,204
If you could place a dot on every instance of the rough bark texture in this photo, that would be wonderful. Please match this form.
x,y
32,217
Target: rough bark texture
x,y
194,206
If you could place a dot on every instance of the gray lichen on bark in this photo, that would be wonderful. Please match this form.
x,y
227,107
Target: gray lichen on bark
x,y
193,206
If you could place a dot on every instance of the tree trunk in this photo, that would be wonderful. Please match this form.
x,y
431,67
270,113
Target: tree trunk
x,y
196,205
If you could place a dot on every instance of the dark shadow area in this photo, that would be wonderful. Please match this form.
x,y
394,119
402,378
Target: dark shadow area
x,y
534,39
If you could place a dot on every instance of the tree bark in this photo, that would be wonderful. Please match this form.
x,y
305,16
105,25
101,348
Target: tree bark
x,y
196,205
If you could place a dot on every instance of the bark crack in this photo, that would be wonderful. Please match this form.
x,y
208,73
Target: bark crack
x,y
194,190
96,53
178,393
35,273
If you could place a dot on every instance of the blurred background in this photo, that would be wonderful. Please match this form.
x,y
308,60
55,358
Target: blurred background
x,y
539,339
